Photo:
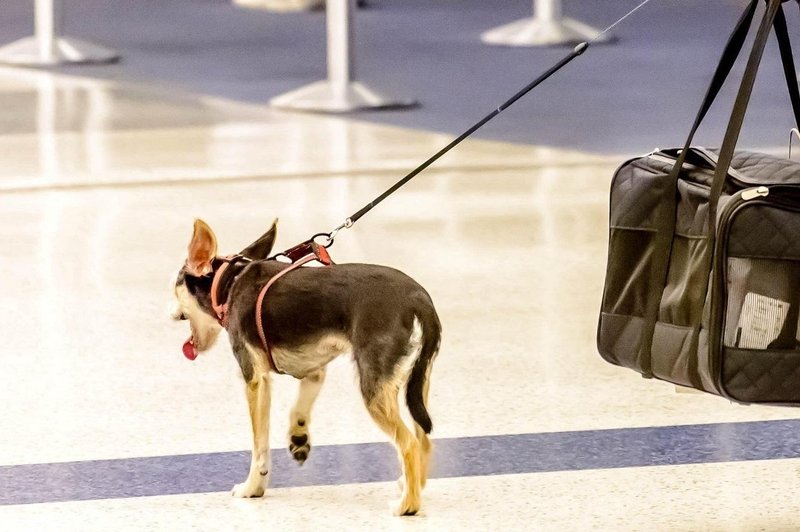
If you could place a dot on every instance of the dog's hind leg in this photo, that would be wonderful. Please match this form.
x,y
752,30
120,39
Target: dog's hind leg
x,y
424,440
300,419
384,408
425,447
418,384
258,402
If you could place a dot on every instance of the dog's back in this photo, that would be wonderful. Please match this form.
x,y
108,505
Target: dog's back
x,y
367,309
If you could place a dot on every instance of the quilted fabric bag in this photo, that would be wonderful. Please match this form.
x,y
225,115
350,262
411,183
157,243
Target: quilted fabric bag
x,y
702,285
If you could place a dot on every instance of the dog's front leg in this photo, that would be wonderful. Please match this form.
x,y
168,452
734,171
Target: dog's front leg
x,y
258,401
299,440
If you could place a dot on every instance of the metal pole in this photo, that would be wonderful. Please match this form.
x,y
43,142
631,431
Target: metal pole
x,y
547,9
340,92
46,19
340,41
547,27
47,47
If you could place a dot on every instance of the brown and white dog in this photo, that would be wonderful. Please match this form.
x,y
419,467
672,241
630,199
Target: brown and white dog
x,y
385,319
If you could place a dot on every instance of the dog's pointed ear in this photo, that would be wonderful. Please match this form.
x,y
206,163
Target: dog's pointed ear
x,y
261,248
202,249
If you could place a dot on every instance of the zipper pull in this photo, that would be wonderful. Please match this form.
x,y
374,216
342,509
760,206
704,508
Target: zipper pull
x,y
752,193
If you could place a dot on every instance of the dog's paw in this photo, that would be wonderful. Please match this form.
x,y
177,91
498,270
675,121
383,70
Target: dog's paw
x,y
247,490
299,447
406,507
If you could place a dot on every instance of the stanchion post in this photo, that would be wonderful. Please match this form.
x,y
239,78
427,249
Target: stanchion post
x,y
47,47
339,23
547,27
339,93
47,24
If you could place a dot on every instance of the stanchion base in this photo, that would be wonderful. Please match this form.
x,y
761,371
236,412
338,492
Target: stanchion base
x,y
66,50
281,6
325,97
537,32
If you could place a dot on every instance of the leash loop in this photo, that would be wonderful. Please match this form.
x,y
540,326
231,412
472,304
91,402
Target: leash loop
x,y
328,239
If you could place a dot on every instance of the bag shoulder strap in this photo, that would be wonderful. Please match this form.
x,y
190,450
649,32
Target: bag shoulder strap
x,y
662,244
787,61
729,56
740,109
666,219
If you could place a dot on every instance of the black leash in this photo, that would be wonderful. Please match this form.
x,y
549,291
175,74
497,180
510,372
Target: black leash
x,y
578,50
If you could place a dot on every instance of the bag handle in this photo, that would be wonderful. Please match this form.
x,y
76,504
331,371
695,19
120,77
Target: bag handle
x,y
787,60
740,107
728,59
729,55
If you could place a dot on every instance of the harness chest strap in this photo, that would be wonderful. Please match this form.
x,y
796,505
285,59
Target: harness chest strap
x,y
260,303
320,254
310,250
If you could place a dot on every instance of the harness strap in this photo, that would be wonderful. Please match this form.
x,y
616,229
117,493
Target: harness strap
x,y
221,308
260,303
299,255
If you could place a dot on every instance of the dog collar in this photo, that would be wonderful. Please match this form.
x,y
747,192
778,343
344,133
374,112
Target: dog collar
x,y
221,284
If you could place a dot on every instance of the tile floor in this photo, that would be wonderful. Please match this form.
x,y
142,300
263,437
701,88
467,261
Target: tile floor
x,y
99,185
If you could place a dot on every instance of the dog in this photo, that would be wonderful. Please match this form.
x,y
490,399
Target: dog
x,y
385,319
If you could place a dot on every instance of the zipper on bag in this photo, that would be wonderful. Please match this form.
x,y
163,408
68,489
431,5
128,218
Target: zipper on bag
x,y
720,259
752,193
734,175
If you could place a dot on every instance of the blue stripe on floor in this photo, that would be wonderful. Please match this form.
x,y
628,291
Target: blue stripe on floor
x,y
376,462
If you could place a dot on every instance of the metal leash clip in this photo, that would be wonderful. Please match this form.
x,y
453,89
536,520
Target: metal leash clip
x,y
330,237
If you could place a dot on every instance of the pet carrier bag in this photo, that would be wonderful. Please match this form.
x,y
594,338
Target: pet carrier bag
x,y
702,285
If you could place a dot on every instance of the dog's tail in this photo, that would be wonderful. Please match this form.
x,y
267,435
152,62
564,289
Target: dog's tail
x,y
416,393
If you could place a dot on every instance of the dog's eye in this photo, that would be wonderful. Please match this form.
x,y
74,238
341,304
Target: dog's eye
x,y
182,316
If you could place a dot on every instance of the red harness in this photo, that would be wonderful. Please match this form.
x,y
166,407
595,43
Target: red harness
x,y
298,255
221,309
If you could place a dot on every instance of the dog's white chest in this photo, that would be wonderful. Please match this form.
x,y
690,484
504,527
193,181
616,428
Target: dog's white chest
x,y
299,362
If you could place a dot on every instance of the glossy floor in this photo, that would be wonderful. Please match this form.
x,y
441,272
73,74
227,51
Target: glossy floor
x,y
99,185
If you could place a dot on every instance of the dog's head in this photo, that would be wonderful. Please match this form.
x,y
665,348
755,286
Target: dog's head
x,y
192,285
